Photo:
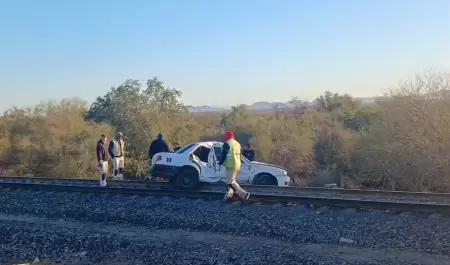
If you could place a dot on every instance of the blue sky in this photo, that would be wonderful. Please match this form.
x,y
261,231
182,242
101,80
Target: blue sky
x,y
217,52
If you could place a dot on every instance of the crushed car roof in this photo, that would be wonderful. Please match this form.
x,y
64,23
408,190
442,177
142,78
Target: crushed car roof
x,y
210,143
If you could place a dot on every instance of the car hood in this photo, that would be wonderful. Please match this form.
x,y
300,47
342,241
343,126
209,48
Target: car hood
x,y
254,163
162,153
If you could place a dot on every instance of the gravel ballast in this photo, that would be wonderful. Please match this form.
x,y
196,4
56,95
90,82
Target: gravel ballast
x,y
25,238
268,225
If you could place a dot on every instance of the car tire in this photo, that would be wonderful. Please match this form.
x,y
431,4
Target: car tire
x,y
266,180
187,179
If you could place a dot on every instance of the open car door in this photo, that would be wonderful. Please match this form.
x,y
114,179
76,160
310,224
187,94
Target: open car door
x,y
211,159
216,153
212,167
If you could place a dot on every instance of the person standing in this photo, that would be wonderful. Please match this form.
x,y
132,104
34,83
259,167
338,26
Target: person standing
x,y
157,146
116,150
231,160
248,152
102,159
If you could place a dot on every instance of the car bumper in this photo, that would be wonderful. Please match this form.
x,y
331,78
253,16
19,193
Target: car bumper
x,y
284,181
163,171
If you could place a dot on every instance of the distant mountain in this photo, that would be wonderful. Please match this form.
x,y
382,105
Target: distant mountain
x,y
367,100
205,108
261,105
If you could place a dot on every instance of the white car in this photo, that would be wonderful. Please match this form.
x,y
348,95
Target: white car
x,y
198,163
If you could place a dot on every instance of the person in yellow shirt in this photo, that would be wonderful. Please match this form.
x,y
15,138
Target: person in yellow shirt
x,y
231,160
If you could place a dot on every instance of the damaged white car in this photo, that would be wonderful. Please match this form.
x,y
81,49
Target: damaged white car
x,y
197,163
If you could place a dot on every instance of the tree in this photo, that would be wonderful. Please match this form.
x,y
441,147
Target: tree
x,y
240,120
52,139
330,102
285,141
407,149
400,142
141,113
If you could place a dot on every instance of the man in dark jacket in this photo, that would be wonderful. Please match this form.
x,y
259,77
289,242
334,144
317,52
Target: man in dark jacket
x,y
102,159
157,146
248,152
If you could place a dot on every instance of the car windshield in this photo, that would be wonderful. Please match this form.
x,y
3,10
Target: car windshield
x,y
182,150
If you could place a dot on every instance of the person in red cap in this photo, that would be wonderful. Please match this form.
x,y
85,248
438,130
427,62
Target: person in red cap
x,y
231,160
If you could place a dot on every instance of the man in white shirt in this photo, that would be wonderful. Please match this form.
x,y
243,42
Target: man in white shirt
x,y
117,153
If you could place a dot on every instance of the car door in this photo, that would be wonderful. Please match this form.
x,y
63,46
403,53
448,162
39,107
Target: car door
x,y
206,172
216,155
211,167
244,173
196,163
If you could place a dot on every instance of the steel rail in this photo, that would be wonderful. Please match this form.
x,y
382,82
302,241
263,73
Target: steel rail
x,y
267,190
423,207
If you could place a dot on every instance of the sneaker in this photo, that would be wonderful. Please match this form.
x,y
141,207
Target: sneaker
x,y
227,197
102,183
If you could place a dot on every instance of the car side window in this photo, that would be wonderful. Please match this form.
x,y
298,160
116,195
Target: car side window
x,y
202,152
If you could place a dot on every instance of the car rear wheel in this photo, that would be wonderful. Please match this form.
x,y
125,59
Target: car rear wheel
x,y
187,179
265,179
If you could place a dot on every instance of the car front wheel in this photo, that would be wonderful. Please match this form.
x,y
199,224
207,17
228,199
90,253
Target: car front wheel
x,y
265,179
187,179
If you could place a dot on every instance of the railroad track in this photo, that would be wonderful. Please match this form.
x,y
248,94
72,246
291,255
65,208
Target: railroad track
x,y
335,197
